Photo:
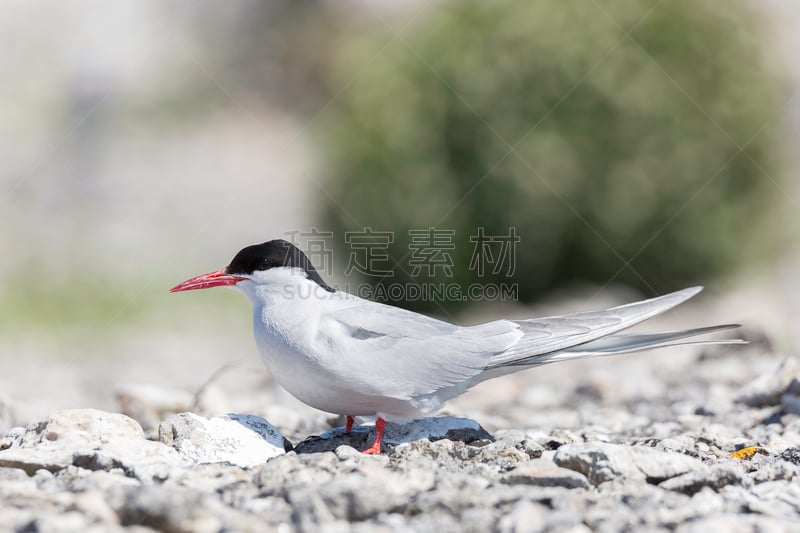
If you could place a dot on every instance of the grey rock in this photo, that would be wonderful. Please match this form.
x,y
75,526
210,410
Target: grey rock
x,y
791,455
719,440
558,437
359,495
793,387
174,508
790,403
10,437
629,503
767,388
243,440
432,429
785,490
534,444
458,492
273,477
680,443
28,507
702,503
715,477
780,499
454,456
543,473
602,461
771,468
230,486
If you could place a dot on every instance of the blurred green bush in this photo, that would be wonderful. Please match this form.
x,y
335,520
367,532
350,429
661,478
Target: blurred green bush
x,y
623,146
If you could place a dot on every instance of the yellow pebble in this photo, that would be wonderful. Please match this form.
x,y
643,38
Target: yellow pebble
x,y
745,453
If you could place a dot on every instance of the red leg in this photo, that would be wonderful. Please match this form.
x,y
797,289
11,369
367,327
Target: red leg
x,y
349,425
375,449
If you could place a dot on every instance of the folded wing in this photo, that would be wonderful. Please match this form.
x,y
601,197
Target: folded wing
x,y
410,354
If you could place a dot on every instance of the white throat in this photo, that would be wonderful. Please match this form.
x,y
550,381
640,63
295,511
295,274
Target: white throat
x,y
281,283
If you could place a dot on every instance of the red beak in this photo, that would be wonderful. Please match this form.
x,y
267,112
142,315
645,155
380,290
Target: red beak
x,y
206,281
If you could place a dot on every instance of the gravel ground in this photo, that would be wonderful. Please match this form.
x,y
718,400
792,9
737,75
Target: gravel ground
x,y
687,440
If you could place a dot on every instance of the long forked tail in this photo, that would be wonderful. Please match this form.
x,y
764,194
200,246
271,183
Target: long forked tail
x,y
619,344
592,334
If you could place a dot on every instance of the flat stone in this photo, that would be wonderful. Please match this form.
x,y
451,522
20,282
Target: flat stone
x,y
543,473
659,465
242,440
602,461
716,477
396,433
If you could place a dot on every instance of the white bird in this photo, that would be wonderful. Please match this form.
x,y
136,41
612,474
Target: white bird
x,y
346,355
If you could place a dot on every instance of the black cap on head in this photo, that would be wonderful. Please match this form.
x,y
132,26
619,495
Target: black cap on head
x,y
271,254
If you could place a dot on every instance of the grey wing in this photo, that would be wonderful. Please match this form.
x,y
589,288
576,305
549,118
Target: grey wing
x,y
553,334
411,355
405,354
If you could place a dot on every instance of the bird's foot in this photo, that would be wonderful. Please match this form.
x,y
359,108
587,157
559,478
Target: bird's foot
x,y
375,449
349,425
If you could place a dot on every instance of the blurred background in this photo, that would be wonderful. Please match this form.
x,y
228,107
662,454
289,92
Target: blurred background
x,y
637,147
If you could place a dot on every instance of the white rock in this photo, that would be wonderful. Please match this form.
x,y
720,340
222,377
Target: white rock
x,y
90,439
242,440
657,465
598,461
345,452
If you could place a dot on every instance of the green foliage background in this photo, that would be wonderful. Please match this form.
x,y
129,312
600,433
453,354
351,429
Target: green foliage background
x,y
603,132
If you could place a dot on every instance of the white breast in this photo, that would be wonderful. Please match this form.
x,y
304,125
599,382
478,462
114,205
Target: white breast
x,y
285,324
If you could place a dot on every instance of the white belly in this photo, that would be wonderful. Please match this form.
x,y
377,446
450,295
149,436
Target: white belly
x,y
313,383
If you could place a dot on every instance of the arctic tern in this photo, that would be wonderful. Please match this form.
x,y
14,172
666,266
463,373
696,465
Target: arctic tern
x,y
346,355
